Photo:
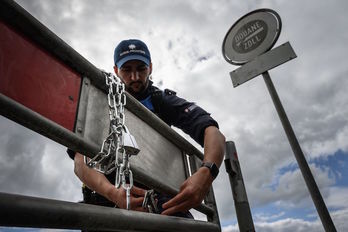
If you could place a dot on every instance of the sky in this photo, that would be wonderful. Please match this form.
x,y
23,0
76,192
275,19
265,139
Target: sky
x,y
185,39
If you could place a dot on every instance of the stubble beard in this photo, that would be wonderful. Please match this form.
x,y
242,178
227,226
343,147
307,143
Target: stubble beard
x,y
142,88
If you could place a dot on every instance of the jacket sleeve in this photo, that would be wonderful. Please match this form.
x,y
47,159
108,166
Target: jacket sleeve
x,y
187,116
71,153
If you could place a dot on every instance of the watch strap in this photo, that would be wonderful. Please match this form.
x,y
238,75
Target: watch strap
x,y
214,170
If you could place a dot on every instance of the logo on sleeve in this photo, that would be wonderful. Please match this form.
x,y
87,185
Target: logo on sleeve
x,y
190,108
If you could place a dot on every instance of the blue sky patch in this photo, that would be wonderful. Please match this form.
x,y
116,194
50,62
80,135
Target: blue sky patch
x,y
338,163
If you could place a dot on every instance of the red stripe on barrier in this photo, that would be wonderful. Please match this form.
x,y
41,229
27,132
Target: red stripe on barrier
x,y
36,79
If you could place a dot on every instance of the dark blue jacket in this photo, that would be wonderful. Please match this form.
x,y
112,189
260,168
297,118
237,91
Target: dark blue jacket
x,y
178,112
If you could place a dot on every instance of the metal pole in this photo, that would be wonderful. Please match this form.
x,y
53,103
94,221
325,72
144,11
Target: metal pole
x,y
24,211
17,112
245,220
301,160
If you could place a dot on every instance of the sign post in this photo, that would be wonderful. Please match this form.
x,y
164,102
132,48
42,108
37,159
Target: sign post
x,y
248,42
241,203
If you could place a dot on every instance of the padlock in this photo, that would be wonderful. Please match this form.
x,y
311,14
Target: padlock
x,y
129,143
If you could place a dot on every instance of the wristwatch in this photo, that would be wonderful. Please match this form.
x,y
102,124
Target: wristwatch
x,y
214,170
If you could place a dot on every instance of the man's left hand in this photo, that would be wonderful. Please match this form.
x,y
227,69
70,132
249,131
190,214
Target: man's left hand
x,y
192,192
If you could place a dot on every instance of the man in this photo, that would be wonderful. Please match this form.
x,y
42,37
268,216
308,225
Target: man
x,y
133,66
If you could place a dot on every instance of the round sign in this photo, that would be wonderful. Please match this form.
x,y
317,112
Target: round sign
x,y
252,35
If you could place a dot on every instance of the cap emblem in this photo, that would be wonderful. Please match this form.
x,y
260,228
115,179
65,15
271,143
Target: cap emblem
x,y
131,46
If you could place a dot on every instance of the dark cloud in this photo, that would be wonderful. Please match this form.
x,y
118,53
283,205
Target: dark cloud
x,y
33,165
21,156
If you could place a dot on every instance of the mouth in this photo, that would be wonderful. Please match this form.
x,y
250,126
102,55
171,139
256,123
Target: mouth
x,y
136,85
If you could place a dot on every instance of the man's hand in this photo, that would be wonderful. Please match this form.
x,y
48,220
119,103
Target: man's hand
x,y
192,192
99,183
196,187
118,196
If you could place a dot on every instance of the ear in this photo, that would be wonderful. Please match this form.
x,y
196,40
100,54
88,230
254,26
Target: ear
x,y
116,70
150,67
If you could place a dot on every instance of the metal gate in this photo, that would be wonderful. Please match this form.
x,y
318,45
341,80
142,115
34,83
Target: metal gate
x,y
67,104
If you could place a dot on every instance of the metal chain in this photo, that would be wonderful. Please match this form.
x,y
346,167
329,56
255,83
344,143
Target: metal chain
x,y
113,147
150,201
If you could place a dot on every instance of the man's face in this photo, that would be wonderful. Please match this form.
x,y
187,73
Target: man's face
x,y
135,75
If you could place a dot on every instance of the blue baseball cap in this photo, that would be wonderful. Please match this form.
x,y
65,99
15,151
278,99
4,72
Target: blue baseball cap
x,y
132,49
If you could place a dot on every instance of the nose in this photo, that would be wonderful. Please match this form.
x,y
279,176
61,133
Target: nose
x,y
134,76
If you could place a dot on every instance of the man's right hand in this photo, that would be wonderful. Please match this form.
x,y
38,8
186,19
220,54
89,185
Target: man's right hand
x,y
99,183
118,196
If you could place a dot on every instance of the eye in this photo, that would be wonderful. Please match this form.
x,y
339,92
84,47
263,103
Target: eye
x,y
142,68
125,69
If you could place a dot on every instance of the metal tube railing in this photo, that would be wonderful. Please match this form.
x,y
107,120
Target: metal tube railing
x,y
36,122
17,17
24,211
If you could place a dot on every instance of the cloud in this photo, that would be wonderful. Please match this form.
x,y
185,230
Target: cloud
x,y
298,225
185,41
285,192
264,217
20,153
338,198
33,165
289,224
